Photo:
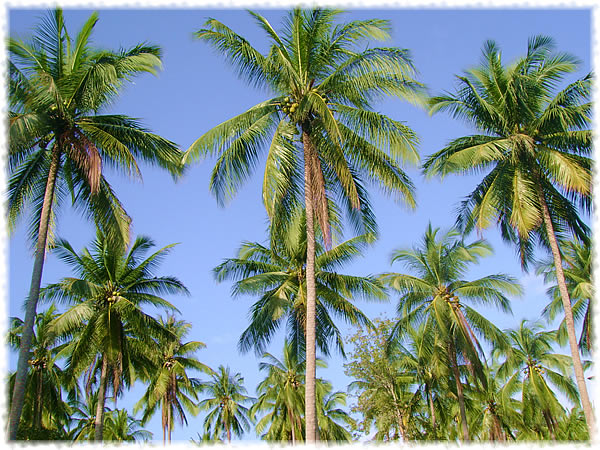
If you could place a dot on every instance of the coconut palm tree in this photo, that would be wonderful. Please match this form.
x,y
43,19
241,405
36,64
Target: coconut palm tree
x,y
323,137
225,404
44,406
577,266
281,397
530,360
333,422
120,426
60,138
111,332
437,294
278,275
536,144
170,385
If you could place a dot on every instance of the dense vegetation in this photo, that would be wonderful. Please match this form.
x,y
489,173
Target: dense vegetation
x,y
437,370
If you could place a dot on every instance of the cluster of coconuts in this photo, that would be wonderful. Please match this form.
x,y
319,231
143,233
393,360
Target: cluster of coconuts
x,y
113,298
289,106
38,363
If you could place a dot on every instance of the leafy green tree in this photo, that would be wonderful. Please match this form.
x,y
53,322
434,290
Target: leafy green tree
x,y
278,275
324,139
437,294
225,405
170,386
530,359
110,330
281,397
577,267
58,143
333,422
120,426
535,147
44,407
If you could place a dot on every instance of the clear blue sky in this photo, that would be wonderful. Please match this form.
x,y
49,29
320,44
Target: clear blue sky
x,y
197,90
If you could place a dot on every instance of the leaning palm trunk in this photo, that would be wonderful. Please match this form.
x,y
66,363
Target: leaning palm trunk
x,y
570,323
99,422
310,402
38,407
34,294
459,392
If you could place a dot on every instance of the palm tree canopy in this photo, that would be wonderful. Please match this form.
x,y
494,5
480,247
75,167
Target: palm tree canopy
x,y
112,287
59,89
225,404
536,142
437,295
278,275
324,84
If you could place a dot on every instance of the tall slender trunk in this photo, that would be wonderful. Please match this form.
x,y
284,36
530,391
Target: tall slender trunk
x,y
459,391
311,295
32,299
431,408
169,421
38,400
293,422
99,422
564,293
228,434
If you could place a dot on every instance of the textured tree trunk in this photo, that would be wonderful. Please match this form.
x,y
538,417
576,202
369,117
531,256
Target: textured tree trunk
x,y
459,391
32,299
99,422
169,421
293,422
38,400
431,408
310,405
570,323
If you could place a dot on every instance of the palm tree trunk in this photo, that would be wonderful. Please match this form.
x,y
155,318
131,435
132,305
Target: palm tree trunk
x,y
310,401
38,408
169,420
99,422
564,293
431,408
459,391
34,294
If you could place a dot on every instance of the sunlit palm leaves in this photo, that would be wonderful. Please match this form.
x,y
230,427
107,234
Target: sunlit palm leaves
x,y
225,405
278,276
170,387
110,329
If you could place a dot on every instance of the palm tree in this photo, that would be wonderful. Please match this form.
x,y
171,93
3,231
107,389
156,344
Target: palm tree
x,y
577,266
281,396
278,275
536,145
58,143
111,331
170,385
437,293
333,422
530,360
324,137
120,426
225,404
44,406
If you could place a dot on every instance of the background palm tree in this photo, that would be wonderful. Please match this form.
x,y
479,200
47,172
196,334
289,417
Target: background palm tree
x,y
531,360
278,275
58,143
281,397
111,332
225,405
170,386
577,267
44,406
120,426
536,146
437,294
321,129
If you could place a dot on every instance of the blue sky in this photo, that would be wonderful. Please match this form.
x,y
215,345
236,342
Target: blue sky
x,y
197,90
